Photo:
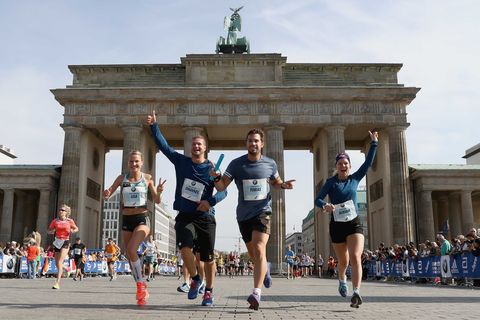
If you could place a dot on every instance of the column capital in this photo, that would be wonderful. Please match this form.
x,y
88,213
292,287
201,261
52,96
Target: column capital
x,y
397,128
274,127
335,127
131,127
192,128
72,126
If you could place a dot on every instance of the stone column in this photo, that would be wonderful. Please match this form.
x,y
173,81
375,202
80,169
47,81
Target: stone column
x,y
454,214
7,215
402,221
336,144
467,210
43,214
19,215
276,244
442,212
425,218
132,140
69,192
188,134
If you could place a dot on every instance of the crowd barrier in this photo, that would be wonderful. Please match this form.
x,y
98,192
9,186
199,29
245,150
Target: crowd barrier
x,y
47,266
455,266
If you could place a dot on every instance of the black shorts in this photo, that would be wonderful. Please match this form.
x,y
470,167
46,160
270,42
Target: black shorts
x,y
259,223
66,245
196,230
109,262
130,222
78,261
339,231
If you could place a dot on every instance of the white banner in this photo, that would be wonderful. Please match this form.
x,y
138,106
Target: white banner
x,y
405,271
445,266
7,264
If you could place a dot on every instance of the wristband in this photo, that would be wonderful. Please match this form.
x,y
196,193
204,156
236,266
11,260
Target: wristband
x,y
217,178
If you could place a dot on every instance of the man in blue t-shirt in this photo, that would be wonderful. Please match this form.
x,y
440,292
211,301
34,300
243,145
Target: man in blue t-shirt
x,y
289,257
194,202
254,174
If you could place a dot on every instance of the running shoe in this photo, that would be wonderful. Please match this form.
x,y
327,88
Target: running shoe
x,y
343,289
254,301
56,286
207,299
202,288
194,288
183,288
356,300
142,293
267,281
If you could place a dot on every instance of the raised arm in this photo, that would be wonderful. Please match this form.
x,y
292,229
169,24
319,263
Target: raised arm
x,y
362,171
160,140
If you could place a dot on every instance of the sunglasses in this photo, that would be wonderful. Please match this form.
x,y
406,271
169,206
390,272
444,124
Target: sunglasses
x,y
63,210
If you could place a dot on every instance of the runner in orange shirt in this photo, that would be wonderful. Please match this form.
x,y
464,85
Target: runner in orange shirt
x,y
61,227
112,251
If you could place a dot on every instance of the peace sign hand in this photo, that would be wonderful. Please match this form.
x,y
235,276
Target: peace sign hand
x,y
160,186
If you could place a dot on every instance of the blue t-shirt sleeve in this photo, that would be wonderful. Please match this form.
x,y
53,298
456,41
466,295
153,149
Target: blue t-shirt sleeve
x,y
275,174
163,145
229,171
362,171
319,202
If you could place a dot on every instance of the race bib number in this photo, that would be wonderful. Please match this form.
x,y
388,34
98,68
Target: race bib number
x,y
192,190
58,243
77,251
132,199
108,255
345,211
255,189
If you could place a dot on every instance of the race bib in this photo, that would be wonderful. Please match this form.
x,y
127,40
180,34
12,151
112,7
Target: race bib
x,y
58,243
192,190
345,211
131,199
108,255
77,251
255,189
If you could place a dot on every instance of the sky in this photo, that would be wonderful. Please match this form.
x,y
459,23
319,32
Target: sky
x,y
436,41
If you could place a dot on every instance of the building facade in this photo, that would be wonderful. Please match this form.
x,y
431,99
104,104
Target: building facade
x,y
111,218
308,234
295,241
164,225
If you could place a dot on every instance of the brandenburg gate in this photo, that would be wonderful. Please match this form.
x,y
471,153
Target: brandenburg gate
x,y
323,108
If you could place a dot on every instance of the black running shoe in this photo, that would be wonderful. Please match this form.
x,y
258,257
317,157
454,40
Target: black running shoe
x,y
356,300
